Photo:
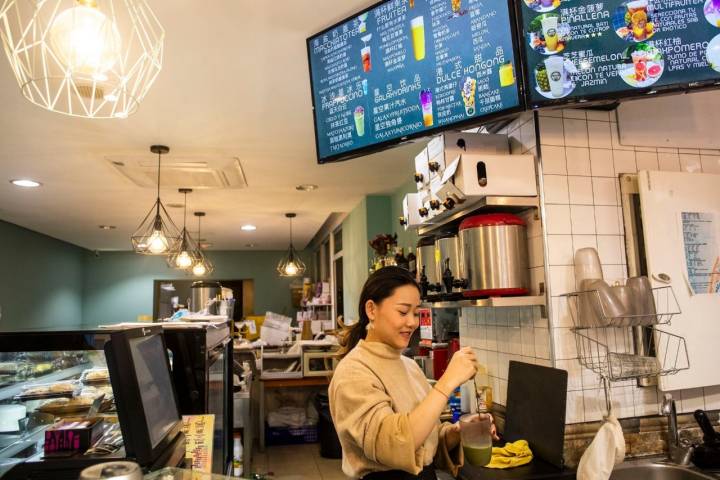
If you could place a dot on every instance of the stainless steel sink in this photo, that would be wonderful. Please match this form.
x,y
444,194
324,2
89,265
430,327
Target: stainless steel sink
x,y
656,471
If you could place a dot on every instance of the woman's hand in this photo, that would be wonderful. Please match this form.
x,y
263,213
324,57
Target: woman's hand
x,y
462,367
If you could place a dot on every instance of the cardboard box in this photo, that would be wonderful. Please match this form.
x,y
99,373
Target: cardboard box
x,y
73,435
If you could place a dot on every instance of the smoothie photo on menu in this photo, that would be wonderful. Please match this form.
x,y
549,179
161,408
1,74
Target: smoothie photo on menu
x,y
633,21
548,34
642,65
417,27
426,103
359,121
553,77
365,53
468,87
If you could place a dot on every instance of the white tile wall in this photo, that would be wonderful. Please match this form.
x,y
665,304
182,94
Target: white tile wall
x,y
585,147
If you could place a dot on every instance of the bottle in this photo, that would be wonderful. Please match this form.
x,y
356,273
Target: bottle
x,y
455,402
237,456
412,261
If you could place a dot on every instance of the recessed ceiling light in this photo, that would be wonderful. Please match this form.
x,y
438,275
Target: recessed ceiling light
x,y
306,187
24,182
106,227
248,228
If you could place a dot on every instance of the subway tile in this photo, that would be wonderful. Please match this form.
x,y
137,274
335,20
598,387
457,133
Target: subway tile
x,y
667,150
515,340
623,402
575,408
527,136
503,365
561,313
513,316
541,322
690,163
500,317
598,115
669,162
604,191
516,146
614,116
537,281
610,248
542,343
614,273
551,131
550,112
601,162
492,363
607,221
482,356
584,241
481,337
616,145
574,113
534,225
594,403
624,161
503,339
578,161
502,392
580,189
574,374
560,250
691,151
711,152
492,338
645,149
553,160
565,348
599,134
558,219
710,164
712,397
562,280
576,133
691,399
536,252
582,218
590,379
646,160
527,335
556,189
646,401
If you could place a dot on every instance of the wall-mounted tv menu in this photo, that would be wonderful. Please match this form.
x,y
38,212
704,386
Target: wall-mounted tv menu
x,y
404,69
585,50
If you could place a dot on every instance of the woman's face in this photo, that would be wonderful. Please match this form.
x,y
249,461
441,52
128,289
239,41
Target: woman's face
x,y
394,319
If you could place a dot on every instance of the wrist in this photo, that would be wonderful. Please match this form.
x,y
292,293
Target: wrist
x,y
444,386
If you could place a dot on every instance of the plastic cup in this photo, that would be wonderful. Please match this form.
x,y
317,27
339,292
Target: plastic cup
x,y
476,437
555,67
550,32
360,121
417,26
587,265
426,102
366,62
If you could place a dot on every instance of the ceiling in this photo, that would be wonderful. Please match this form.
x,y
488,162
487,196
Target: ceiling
x,y
234,84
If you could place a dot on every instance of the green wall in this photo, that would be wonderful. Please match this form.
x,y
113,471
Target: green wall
x,y
356,260
119,285
409,238
41,280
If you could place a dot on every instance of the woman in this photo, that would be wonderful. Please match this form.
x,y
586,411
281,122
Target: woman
x,y
384,410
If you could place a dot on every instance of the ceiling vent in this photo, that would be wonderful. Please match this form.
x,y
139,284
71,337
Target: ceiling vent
x,y
181,172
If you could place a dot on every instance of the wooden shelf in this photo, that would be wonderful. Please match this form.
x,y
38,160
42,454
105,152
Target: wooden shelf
x,y
489,204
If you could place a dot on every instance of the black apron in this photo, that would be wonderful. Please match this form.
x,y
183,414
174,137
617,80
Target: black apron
x,y
428,473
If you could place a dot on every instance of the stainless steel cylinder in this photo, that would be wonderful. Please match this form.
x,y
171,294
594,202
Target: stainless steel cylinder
x,y
495,255
121,470
448,255
426,262
202,293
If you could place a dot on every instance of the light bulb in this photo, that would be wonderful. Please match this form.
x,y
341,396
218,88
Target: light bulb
x,y
199,269
85,41
291,269
183,260
157,243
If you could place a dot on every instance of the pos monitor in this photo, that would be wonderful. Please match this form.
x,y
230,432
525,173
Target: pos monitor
x,y
146,402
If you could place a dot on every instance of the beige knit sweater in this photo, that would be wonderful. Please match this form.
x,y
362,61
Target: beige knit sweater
x,y
372,393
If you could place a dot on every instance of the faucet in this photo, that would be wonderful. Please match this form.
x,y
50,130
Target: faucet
x,y
679,452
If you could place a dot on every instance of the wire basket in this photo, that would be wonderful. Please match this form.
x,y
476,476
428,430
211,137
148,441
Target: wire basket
x,y
603,308
609,352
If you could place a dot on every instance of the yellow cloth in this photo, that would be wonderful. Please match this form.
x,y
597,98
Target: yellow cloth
x,y
511,455
372,393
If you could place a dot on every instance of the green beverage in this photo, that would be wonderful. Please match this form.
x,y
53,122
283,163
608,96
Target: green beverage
x,y
359,121
478,456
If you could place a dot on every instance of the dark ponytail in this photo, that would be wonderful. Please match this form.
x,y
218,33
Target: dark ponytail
x,y
380,285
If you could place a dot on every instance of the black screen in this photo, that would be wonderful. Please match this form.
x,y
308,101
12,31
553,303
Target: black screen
x,y
156,392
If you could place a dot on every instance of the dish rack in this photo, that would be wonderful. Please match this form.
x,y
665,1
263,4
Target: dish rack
x,y
607,345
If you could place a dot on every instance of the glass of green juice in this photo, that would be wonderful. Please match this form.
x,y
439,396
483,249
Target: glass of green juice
x,y
475,433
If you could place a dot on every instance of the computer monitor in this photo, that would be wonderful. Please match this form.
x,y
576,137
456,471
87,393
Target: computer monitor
x,y
144,393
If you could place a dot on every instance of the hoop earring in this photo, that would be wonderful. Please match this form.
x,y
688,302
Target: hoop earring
x,y
369,326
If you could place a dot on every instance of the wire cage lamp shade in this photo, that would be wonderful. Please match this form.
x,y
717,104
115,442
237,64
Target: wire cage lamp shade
x,y
157,234
291,265
202,266
85,58
185,253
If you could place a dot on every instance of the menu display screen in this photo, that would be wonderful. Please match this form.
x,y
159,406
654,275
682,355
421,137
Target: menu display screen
x,y
407,68
590,49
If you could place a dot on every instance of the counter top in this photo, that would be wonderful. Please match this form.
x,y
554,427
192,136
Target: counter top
x,y
537,469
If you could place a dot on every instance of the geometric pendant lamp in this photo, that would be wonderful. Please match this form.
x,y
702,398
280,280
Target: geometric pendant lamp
x,y
291,265
202,266
157,234
86,58
184,255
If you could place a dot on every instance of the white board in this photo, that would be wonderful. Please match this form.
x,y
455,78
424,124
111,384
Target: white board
x,y
679,121
664,196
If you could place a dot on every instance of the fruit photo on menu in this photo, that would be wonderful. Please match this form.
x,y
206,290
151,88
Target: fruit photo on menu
x,y
642,65
542,6
554,77
633,21
711,10
713,53
547,34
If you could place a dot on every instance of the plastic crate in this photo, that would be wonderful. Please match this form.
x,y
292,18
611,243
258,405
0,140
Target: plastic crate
x,y
290,435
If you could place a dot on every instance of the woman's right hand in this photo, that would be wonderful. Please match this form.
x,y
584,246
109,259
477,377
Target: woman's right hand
x,y
462,367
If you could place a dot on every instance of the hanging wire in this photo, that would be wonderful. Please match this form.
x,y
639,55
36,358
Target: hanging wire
x,y
291,265
202,266
184,256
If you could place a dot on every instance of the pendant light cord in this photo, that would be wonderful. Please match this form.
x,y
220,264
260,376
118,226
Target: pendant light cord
x,y
157,207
